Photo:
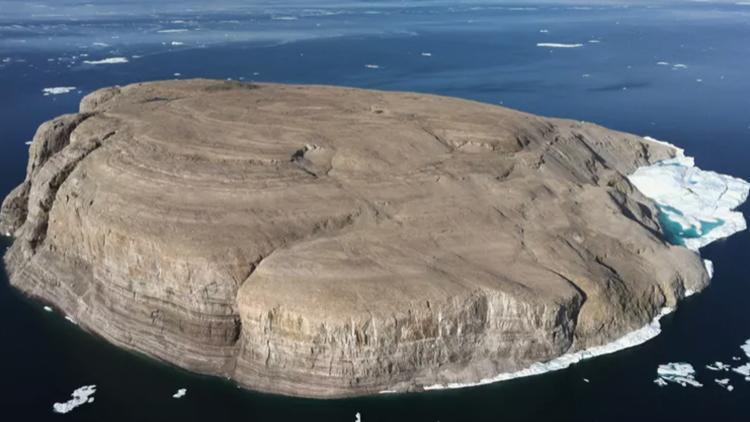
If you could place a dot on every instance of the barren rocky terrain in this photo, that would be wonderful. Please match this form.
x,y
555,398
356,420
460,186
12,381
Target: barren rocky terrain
x,y
324,241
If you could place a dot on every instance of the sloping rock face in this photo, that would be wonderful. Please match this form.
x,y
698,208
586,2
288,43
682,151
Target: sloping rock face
x,y
320,241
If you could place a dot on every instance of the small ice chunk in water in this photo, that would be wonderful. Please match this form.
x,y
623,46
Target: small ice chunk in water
x,y
680,66
586,380
427,54
358,417
180,393
718,366
558,45
724,383
663,63
80,397
660,382
71,320
109,60
57,90
48,309
372,66
679,373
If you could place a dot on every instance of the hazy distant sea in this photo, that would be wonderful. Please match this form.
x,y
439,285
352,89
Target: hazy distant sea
x,y
676,71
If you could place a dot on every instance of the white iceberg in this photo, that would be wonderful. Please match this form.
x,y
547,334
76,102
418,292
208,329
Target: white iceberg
x,y
57,90
631,339
48,309
746,348
679,373
557,45
743,370
695,206
80,397
180,393
109,60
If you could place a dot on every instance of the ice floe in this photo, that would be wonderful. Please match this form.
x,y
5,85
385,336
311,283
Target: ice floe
x,y
557,45
58,90
109,60
709,267
172,31
679,373
746,348
48,309
695,206
180,393
79,397
743,370
663,63
426,54
634,338
71,320
177,43
680,66
724,383
358,417
718,366
372,66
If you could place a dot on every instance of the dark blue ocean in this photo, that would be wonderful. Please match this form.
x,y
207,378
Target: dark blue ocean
x,y
677,71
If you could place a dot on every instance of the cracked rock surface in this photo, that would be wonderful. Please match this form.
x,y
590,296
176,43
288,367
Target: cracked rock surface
x,y
321,241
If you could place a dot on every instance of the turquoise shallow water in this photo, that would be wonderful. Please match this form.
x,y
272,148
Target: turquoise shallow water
x,y
675,233
479,51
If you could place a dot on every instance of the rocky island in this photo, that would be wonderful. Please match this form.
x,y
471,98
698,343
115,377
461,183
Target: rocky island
x,y
325,242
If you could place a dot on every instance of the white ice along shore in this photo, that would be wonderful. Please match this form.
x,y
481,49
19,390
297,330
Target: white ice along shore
x,y
80,397
696,206
631,339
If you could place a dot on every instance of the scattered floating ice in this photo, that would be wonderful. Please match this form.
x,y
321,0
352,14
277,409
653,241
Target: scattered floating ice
x,y
724,383
736,358
695,205
284,18
557,45
680,66
718,366
110,60
372,66
80,397
660,382
679,373
58,90
180,393
172,31
631,339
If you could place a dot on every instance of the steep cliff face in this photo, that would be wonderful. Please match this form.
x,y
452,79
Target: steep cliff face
x,y
322,241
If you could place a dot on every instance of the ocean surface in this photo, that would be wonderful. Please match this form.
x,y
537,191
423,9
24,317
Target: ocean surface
x,y
676,71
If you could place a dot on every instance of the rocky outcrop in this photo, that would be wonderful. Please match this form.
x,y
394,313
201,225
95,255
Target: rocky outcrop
x,y
323,242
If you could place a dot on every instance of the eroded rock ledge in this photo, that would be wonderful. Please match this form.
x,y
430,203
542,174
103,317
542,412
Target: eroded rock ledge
x,y
320,241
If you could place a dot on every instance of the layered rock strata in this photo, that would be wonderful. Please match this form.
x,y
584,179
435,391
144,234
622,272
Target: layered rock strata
x,y
320,241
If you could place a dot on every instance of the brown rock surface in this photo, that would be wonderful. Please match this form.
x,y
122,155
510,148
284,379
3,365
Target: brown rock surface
x,y
322,241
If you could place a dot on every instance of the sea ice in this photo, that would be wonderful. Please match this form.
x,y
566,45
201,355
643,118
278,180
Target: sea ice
x,y
663,63
695,206
743,370
631,339
180,393
709,267
557,45
372,66
724,383
679,373
80,397
680,66
746,348
176,43
171,31
718,366
427,54
109,60
58,90
48,309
